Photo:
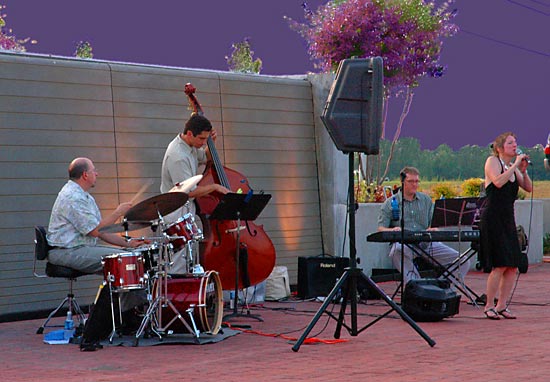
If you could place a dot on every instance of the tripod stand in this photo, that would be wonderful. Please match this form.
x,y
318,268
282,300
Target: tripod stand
x,y
239,207
349,283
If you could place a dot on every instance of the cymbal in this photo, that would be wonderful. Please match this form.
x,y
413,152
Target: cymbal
x,y
151,208
125,226
187,184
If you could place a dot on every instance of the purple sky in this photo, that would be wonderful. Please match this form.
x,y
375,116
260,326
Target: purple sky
x,y
498,76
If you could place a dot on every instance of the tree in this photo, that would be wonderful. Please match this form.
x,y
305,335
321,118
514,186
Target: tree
x,y
407,34
241,59
83,50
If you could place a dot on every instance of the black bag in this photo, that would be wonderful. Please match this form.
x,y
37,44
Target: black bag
x,y
99,323
523,246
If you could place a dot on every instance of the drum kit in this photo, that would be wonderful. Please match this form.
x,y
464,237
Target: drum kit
x,y
189,302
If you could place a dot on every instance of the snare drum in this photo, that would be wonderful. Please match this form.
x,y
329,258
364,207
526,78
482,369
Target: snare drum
x,y
184,229
124,271
203,292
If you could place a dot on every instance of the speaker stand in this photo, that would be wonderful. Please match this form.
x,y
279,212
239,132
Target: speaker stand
x,y
349,283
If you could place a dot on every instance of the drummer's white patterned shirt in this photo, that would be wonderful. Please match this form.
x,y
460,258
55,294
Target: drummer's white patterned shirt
x,y
74,214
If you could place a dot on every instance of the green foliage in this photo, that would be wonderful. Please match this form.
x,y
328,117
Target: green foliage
x,y
443,190
371,193
443,163
84,50
471,187
241,59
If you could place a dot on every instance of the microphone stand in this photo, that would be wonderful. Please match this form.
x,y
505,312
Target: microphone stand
x,y
403,176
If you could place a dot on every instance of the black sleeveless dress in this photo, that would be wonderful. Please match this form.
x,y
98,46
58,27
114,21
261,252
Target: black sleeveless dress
x,y
499,239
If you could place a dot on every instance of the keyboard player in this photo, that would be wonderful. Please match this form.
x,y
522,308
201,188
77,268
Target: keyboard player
x,y
418,209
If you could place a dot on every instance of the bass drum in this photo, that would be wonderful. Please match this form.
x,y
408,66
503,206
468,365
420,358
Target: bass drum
x,y
203,292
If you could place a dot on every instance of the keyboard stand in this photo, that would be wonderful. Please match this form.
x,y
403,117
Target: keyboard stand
x,y
448,271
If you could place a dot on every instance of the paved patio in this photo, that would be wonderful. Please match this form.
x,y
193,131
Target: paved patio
x,y
468,347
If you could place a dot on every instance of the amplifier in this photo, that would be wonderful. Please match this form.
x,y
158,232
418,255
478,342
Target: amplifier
x,y
430,300
318,274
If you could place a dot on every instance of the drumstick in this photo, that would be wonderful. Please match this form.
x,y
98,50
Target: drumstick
x,y
141,190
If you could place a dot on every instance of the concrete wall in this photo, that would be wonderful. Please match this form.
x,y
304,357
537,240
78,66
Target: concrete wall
x,y
53,109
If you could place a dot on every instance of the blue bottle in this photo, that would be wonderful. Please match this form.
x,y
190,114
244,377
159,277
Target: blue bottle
x,y
69,326
394,209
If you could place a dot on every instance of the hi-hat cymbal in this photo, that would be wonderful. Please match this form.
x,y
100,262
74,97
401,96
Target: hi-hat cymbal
x,y
151,208
187,184
125,226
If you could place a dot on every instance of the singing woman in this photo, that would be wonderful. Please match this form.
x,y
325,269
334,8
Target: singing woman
x,y
505,172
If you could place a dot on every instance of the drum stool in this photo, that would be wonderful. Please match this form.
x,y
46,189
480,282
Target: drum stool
x,y
41,250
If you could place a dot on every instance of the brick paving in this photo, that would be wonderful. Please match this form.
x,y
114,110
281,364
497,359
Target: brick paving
x,y
468,347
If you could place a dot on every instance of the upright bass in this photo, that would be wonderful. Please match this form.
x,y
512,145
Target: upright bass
x,y
218,250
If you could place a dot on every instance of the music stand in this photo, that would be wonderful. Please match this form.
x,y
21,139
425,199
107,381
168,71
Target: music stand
x,y
239,207
456,212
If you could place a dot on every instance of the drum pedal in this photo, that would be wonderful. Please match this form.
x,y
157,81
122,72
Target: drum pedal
x,y
190,313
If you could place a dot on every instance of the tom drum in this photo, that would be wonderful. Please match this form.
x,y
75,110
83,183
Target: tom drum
x,y
183,230
124,271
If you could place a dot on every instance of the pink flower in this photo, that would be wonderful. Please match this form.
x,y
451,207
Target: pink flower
x,y
407,34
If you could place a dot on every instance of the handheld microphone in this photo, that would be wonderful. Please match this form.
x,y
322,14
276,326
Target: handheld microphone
x,y
519,152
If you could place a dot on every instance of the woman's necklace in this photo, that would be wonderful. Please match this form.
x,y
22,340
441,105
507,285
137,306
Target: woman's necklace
x,y
504,164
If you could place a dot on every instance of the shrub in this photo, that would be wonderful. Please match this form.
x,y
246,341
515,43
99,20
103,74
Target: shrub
x,y
242,59
471,187
371,193
84,50
443,190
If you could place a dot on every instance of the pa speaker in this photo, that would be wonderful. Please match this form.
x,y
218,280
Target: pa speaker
x,y
353,111
318,275
430,300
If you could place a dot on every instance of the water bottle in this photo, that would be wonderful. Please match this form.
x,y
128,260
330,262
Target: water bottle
x,y
231,299
69,326
394,209
69,323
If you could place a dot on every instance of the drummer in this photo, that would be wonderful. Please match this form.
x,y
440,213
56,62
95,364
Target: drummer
x,y
75,225
181,161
